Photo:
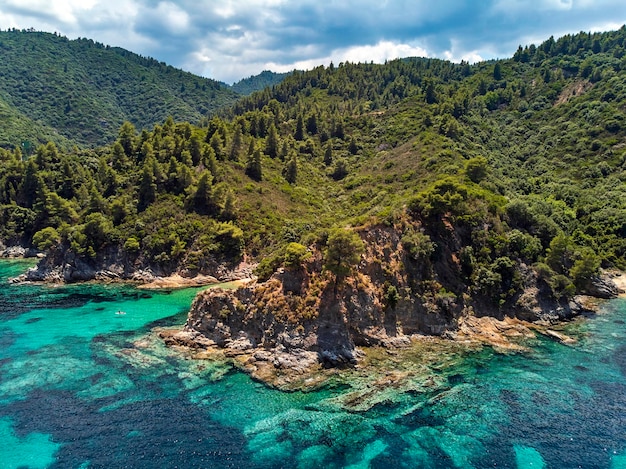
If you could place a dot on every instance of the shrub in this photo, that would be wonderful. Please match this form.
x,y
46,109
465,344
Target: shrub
x,y
46,238
476,168
392,296
418,245
295,255
585,268
131,244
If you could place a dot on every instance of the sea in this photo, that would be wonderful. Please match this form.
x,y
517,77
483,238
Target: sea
x,y
86,383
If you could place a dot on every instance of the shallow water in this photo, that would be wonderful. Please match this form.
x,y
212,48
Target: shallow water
x,y
82,386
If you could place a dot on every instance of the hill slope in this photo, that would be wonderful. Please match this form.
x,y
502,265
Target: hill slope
x,y
419,192
258,82
83,90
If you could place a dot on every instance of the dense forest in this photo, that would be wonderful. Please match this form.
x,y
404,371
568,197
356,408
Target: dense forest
x,y
498,166
81,91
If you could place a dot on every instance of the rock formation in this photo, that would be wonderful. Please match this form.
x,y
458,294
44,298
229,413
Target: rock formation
x,y
305,316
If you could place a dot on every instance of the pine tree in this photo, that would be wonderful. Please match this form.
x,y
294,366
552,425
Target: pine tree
x,y
119,158
497,72
253,166
172,174
68,179
343,252
147,187
202,200
338,131
271,142
290,171
229,208
97,203
311,124
237,144
209,161
126,138
328,154
284,150
430,92
195,148
353,147
299,134
218,146
32,184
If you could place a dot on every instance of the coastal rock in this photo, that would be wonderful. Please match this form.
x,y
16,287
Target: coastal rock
x,y
19,252
602,287
305,317
113,264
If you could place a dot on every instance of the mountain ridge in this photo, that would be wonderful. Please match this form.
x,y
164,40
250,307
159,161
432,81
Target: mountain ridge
x,y
84,90
266,78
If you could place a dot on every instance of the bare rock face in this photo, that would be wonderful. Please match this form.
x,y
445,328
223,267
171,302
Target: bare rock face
x,y
18,251
602,287
258,317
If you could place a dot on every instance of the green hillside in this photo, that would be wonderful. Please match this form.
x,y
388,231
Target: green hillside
x,y
484,170
83,91
258,82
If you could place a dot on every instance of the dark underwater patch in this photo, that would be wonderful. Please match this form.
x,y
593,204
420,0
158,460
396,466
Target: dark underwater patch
x,y
163,433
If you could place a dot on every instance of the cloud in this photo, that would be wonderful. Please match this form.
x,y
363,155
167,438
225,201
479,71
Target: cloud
x,y
66,12
232,39
378,53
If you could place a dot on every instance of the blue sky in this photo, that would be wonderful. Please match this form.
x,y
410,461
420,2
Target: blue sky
x,y
232,39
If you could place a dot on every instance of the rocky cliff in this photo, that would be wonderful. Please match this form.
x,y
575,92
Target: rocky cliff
x,y
306,316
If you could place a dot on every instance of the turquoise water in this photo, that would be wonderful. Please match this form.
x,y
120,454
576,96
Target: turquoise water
x,y
82,386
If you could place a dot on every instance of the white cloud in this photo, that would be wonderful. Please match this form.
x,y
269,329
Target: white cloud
x,y
384,50
378,53
515,7
172,17
608,26
67,11
456,53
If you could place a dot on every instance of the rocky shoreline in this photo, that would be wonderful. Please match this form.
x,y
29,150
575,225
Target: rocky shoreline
x,y
299,328
246,326
56,268
302,370
19,252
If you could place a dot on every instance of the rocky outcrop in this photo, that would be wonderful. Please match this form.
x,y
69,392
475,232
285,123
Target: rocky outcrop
x,y
602,287
306,317
62,265
18,251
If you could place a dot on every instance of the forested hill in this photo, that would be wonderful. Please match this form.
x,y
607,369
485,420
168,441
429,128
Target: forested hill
x,y
52,88
258,82
485,172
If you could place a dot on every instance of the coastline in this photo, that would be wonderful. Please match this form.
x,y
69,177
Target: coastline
x,y
295,356
301,370
148,277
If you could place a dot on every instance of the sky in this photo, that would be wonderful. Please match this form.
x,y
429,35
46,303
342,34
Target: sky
x,y
228,40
